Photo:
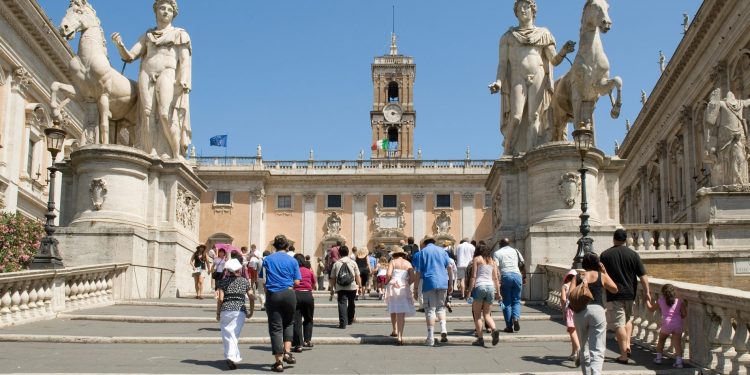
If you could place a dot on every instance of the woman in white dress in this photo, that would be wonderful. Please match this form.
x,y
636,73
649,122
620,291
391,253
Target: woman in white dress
x,y
398,295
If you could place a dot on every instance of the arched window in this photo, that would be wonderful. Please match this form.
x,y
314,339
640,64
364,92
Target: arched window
x,y
393,92
217,238
392,134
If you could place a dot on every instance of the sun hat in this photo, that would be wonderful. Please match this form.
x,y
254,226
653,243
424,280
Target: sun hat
x,y
395,250
570,273
233,265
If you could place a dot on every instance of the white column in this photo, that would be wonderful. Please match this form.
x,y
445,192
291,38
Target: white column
x,y
14,140
308,224
359,229
257,219
418,216
467,215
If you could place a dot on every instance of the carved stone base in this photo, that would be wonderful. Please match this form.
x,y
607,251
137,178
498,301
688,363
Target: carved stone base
x,y
121,205
727,211
537,204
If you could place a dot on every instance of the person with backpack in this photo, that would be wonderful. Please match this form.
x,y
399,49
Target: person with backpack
x,y
345,281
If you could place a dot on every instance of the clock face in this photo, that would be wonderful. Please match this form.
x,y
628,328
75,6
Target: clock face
x,y
392,112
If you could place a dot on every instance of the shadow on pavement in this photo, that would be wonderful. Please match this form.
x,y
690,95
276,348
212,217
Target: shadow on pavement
x,y
550,360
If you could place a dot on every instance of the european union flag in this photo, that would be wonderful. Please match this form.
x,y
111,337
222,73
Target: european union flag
x,y
219,140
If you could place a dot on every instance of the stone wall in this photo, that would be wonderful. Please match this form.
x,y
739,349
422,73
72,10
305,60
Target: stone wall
x,y
702,267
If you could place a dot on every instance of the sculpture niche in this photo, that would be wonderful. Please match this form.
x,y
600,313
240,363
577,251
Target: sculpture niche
x,y
93,76
577,92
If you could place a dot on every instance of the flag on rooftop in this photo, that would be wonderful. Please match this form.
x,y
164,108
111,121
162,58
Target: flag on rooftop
x,y
219,140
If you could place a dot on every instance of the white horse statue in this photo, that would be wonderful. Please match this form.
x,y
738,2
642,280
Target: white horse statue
x,y
577,92
94,78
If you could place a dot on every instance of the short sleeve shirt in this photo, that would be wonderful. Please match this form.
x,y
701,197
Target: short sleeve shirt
x,y
624,266
235,289
345,262
280,270
507,259
432,264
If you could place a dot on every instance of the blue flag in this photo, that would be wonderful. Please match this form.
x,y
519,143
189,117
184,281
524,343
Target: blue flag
x,y
219,140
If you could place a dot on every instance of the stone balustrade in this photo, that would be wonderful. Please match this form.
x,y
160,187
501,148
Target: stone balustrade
x,y
37,295
347,166
645,237
716,327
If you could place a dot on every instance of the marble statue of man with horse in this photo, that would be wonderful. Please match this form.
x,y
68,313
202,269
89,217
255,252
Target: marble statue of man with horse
x,y
156,108
535,108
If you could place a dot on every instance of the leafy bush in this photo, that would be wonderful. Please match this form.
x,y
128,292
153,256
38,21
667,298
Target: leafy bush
x,y
19,241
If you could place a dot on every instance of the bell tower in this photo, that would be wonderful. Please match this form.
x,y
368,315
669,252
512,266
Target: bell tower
x,y
392,117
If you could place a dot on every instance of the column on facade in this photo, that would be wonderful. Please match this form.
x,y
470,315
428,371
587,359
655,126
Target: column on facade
x,y
664,173
359,224
418,216
257,217
13,138
468,226
643,184
309,243
689,140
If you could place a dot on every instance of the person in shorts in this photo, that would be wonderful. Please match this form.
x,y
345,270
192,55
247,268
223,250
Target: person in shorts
x,y
434,277
625,267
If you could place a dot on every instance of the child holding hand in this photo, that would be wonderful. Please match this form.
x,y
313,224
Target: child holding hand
x,y
673,313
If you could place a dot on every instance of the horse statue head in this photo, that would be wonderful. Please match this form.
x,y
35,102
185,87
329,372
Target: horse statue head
x,y
596,15
79,17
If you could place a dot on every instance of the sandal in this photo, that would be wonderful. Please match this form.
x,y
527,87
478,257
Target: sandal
x,y
289,358
278,367
307,344
297,349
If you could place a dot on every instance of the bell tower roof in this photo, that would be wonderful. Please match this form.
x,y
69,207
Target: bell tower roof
x,y
394,47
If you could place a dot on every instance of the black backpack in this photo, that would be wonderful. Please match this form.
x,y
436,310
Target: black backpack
x,y
344,277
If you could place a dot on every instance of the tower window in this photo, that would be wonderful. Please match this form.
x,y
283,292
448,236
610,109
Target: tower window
x,y
393,92
393,134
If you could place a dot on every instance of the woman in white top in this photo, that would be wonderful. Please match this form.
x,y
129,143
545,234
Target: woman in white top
x,y
484,286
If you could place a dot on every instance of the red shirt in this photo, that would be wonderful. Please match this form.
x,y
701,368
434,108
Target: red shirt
x,y
307,282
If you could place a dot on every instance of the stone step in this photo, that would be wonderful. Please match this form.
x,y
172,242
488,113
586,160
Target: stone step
x,y
255,319
548,358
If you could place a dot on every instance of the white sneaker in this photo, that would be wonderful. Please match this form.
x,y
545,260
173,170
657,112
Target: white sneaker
x,y
429,342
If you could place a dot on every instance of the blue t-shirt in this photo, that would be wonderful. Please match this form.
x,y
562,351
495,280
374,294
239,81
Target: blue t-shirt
x,y
280,270
432,262
373,261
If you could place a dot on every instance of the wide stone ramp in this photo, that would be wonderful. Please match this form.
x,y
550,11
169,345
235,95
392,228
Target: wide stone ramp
x,y
182,336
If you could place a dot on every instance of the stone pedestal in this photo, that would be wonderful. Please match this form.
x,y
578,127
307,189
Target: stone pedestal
x,y
537,198
121,205
726,210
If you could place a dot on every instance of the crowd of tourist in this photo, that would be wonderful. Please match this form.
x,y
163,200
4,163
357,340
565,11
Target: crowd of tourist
x,y
283,282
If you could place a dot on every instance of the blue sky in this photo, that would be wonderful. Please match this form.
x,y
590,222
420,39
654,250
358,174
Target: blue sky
x,y
293,75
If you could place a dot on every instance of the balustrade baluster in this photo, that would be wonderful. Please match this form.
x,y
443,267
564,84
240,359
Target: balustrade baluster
x,y
73,290
640,242
24,304
5,300
742,359
68,291
15,298
728,354
670,241
32,297
638,314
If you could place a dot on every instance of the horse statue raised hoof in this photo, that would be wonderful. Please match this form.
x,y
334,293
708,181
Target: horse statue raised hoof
x,y
577,92
93,77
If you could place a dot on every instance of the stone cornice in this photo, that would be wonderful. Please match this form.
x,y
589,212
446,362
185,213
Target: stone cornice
x,y
30,22
687,51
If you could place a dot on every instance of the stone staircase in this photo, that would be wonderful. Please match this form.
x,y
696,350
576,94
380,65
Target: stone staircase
x,y
180,335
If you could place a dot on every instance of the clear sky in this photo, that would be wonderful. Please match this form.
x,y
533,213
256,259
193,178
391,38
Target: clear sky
x,y
293,75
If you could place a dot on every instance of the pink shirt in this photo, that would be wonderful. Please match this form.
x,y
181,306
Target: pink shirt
x,y
671,320
307,282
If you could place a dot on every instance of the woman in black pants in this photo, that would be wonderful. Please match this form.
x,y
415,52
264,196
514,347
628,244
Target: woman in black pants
x,y
282,273
305,306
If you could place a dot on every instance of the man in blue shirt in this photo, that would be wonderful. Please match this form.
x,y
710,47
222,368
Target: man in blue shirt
x,y
431,265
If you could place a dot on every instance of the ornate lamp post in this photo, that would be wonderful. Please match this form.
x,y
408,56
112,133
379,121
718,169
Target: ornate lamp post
x,y
584,139
48,257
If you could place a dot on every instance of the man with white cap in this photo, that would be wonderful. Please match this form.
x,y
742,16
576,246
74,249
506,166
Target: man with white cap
x,y
231,311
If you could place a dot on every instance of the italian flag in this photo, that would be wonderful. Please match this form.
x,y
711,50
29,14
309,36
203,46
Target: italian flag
x,y
381,144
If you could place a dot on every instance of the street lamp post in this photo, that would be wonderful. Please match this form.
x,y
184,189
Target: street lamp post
x,y
584,139
48,256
